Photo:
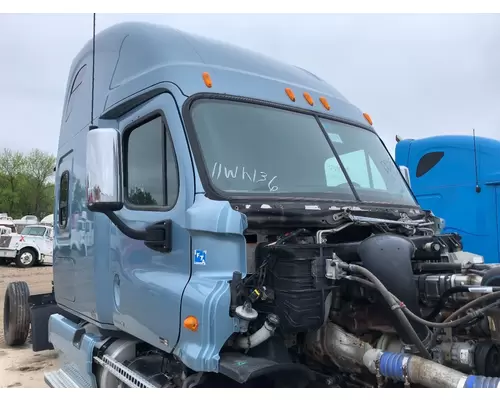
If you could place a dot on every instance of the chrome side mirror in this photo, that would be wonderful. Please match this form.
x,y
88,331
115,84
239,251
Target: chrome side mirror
x,y
406,174
104,189
104,171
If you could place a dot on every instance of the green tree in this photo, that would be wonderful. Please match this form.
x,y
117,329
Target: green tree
x,y
11,168
39,168
138,197
25,186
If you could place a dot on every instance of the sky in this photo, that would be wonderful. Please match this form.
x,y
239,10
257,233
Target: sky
x,y
416,75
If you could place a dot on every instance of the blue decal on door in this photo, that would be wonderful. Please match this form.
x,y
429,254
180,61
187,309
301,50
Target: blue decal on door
x,y
200,257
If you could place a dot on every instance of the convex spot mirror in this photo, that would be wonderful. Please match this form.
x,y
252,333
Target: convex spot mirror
x,y
104,171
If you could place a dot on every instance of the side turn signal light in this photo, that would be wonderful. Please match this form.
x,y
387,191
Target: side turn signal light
x,y
191,323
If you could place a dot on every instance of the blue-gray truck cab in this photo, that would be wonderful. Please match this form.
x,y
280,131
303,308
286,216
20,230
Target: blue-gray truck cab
x,y
249,229
458,178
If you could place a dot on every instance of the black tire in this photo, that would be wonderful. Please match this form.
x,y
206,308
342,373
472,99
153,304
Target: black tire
x,y
16,314
26,252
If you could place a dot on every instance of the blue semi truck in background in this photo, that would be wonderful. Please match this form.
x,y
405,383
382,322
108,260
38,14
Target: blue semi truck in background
x,y
458,178
250,229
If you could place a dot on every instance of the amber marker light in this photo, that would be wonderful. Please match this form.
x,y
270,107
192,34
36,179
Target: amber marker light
x,y
368,118
308,98
290,94
207,79
191,323
324,102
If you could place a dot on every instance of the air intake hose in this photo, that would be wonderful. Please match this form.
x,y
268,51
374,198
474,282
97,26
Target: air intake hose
x,y
414,369
388,257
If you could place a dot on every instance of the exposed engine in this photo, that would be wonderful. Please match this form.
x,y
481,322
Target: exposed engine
x,y
372,302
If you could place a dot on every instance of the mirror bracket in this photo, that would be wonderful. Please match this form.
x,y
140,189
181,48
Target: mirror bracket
x,y
157,236
105,207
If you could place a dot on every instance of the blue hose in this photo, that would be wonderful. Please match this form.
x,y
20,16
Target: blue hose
x,y
391,366
481,382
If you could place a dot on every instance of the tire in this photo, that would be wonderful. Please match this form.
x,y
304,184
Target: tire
x,y
26,258
16,314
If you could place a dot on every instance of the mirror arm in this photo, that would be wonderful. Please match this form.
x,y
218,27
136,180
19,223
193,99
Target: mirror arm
x,y
124,228
157,236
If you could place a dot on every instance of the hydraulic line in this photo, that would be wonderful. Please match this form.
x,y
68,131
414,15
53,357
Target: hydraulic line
x,y
465,307
395,307
442,301
439,325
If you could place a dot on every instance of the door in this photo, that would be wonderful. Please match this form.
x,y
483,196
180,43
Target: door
x,y
158,185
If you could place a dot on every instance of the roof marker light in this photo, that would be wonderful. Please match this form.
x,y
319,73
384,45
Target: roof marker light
x,y
368,118
290,94
324,101
308,98
207,79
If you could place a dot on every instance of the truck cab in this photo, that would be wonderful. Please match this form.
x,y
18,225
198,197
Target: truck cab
x,y
458,178
180,158
229,205
7,222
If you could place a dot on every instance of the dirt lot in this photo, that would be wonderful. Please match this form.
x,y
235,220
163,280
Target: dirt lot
x,y
20,367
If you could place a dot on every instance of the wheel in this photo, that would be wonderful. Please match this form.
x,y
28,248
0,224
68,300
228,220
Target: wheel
x,y
26,258
16,314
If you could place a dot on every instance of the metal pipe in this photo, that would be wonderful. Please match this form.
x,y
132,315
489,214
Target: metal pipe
x,y
259,337
323,232
409,368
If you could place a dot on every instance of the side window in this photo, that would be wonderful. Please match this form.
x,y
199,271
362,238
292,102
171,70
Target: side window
x,y
427,162
151,172
63,199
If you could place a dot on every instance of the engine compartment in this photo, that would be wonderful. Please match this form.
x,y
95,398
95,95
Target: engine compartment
x,y
345,299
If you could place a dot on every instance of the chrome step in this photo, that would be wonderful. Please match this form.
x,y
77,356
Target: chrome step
x,y
65,377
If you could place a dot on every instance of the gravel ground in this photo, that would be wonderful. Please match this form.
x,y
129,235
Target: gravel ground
x,y
20,366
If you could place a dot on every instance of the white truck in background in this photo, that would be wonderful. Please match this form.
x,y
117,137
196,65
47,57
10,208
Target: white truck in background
x,y
33,246
24,221
6,224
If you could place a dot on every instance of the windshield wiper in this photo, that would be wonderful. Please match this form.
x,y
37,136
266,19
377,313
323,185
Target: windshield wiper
x,y
371,221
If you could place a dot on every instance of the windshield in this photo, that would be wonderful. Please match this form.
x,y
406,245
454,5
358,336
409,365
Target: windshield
x,y
33,231
253,150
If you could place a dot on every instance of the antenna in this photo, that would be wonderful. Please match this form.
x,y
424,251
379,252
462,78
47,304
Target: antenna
x,y
478,188
92,126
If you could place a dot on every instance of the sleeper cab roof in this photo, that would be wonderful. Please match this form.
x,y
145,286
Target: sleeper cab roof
x,y
133,56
